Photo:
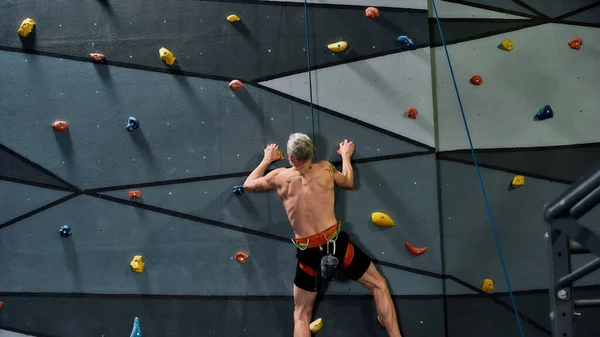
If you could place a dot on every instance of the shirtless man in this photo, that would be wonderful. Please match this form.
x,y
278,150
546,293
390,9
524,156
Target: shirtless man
x,y
307,192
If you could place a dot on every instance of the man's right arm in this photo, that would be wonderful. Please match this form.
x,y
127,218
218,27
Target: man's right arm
x,y
344,179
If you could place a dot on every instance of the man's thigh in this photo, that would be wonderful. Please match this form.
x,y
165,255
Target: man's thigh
x,y
303,299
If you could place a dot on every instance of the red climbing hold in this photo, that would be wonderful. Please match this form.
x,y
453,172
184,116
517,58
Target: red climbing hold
x,y
414,250
241,257
372,12
97,57
235,85
476,80
412,113
576,43
1,304
60,126
135,194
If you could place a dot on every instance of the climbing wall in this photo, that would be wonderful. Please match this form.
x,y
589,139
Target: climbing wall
x,y
196,140
541,70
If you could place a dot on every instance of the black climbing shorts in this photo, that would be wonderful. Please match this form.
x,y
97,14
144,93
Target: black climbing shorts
x,y
353,263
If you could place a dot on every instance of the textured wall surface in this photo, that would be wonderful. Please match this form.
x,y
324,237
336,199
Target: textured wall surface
x,y
198,139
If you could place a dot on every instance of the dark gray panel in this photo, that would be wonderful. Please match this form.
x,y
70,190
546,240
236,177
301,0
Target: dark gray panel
x,y
17,199
11,166
506,5
269,40
226,317
564,164
460,30
557,8
589,16
519,223
189,126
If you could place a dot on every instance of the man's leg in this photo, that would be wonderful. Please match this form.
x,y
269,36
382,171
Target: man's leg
x,y
377,285
303,307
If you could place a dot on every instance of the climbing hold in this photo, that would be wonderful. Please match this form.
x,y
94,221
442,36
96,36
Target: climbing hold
x,y
132,123
1,304
136,331
316,326
372,12
26,27
407,42
382,219
135,194
576,43
97,57
238,190
488,285
476,80
414,250
60,126
278,152
507,45
412,113
338,47
65,231
167,56
518,181
544,113
137,264
241,257
233,18
235,85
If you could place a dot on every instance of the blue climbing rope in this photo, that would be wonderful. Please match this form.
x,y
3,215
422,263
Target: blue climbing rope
x,y
312,113
485,199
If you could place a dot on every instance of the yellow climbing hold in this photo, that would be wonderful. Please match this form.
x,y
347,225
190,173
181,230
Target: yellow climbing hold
x,y
167,56
278,152
518,181
233,18
507,45
382,219
316,326
488,285
137,264
26,27
337,47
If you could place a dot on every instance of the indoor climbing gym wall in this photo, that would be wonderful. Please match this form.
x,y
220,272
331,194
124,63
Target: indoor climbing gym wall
x,y
128,127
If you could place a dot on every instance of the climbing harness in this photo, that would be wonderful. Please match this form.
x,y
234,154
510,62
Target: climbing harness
x,y
485,199
329,262
312,114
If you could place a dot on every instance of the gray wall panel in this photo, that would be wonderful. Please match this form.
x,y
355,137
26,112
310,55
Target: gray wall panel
x,y
17,199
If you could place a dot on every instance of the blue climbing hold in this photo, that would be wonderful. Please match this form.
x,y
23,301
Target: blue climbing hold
x,y
238,190
545,113
132,123
407,42
136,331
65,231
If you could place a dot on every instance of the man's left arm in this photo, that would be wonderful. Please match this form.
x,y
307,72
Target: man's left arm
x,y
257,181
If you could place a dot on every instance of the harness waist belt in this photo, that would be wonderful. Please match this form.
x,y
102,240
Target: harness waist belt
x,y
318,239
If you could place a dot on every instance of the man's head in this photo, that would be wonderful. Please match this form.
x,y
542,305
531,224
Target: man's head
x,y
299,148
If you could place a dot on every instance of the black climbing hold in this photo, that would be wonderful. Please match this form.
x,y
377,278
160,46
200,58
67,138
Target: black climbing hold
x,y
132,123
544,113
407,42
238,190
65,231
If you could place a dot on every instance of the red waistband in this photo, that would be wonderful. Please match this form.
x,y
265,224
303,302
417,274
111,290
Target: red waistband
x,y
319,239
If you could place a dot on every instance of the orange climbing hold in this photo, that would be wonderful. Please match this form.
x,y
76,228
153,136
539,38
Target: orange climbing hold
x,y
97,57
135,194
241,257
60,126
576,43
1,304
476,80
412,113
372,12
235,85
414,250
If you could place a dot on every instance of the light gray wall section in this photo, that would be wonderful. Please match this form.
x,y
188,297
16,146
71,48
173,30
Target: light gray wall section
x,y
500,112
189,126
503,4
453,10
5,333
377,90
183,257
415,4
589,16
470,250
18,199
405,189
558,7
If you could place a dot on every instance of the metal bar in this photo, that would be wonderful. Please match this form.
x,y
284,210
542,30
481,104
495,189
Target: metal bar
x,y
586,303
574,230
573,195
586,204
561,305
579,273
577,248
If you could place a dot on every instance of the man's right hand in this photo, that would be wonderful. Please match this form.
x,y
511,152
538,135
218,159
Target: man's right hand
x,y
346,149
